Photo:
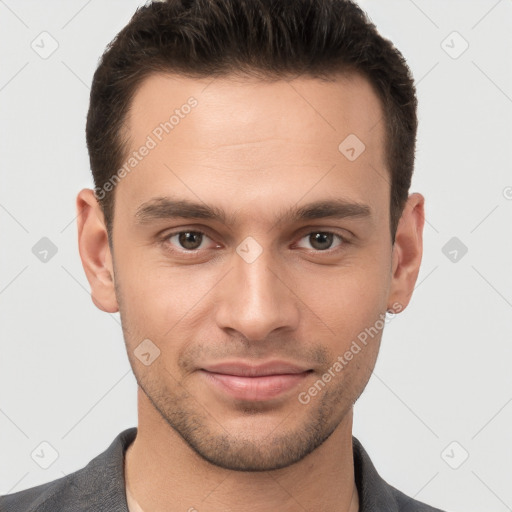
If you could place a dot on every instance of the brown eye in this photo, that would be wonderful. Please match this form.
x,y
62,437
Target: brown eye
x,y
188,240
322,240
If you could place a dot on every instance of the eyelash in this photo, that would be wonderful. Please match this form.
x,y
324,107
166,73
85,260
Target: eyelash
x,y
197,252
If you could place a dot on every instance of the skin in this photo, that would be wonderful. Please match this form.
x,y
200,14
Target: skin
x,y
253,149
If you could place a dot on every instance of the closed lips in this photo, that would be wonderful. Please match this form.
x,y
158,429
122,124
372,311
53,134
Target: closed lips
x,y
258,383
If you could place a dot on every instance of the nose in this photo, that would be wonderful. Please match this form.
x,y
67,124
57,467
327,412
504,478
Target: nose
x,y
257,298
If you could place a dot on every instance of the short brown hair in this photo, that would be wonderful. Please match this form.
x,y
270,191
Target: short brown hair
x,y
268,39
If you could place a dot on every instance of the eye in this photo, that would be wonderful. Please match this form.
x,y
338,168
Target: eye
x,y
322,240
187,240
193,241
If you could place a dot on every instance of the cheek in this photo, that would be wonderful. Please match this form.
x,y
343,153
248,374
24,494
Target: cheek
x,y
348,297
158,301
140,292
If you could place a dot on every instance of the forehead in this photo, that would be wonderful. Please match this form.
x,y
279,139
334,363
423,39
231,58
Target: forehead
x,y
244,136
227,104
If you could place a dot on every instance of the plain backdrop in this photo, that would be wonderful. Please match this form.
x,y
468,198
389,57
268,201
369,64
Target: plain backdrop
x,y
436,416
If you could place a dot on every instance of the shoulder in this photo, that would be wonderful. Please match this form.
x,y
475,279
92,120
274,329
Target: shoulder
x,y
377,494
55,495
407,504
98,486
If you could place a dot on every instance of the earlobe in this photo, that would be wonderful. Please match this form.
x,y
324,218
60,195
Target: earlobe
x,y
95,251
407,251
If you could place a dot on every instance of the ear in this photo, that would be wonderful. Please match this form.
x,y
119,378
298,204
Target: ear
x,y
407,252
95,251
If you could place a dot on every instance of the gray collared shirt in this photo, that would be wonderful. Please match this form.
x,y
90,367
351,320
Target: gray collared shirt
x,y
100,486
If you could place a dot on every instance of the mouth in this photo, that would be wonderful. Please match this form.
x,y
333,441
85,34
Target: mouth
x,y
243,381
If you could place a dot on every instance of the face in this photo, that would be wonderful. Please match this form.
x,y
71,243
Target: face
x,y
252,253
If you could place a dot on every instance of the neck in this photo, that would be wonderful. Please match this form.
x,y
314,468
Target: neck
x,y
164,473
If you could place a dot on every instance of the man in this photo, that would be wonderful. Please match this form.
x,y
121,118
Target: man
x,y
250,221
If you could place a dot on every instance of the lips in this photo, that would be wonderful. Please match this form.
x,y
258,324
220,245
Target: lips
x,y
244,381
243,369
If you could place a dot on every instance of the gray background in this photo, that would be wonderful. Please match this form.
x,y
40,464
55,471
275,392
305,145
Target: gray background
x,y
443,373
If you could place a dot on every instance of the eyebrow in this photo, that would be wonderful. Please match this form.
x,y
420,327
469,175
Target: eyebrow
x,y
166,208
